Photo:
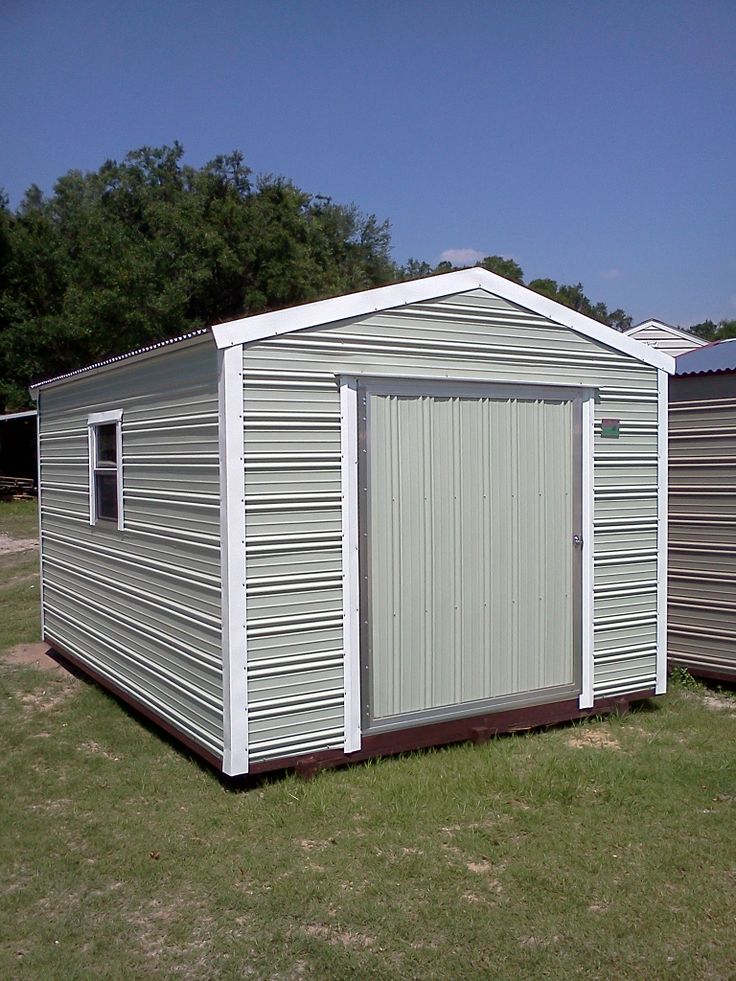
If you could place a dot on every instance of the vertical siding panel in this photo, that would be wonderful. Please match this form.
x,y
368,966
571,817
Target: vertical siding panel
x,y
540,655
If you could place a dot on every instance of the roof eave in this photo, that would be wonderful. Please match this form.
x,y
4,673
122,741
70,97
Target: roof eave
x,y
323,312
140,354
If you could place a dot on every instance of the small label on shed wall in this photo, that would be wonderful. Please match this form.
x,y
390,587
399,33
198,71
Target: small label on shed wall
x,y
610,428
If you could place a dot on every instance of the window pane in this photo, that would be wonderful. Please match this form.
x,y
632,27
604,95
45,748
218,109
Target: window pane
x,y
107,445
106,495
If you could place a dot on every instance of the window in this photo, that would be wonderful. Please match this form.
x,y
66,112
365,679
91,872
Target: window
x,y
106,468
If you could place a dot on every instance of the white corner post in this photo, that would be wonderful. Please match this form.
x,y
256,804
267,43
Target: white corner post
x,y
350,565
232,561
587,686
36,395
662,518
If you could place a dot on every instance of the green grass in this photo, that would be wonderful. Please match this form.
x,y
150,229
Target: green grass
x,y
591,851
19,518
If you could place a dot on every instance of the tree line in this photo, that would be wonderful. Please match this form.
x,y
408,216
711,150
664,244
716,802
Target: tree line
x,y
150,247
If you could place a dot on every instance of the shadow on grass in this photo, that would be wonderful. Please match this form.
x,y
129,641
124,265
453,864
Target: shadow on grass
x,y
248,782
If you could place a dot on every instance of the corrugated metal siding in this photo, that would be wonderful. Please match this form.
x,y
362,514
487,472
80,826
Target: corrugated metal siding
x,y
665,340
141,606
702,578
290,390
470,521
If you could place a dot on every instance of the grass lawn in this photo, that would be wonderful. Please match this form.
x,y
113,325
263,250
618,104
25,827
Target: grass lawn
x,y
600,850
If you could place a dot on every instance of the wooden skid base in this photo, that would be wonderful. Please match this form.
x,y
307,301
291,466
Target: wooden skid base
x,y
476,729
139,707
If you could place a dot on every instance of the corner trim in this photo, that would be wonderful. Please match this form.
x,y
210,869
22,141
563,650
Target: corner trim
x,y
587,694
232,562
40,514
662,537
350,560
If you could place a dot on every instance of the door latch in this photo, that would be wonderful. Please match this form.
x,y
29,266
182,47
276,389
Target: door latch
x,y
577,541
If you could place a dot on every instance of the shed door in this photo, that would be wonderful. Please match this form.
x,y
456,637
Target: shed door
x,y
470,500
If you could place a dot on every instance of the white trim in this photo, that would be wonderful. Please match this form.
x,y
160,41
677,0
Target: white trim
x,y
19,415
662,463
40,522
323,312
587,579
232,562
111,415
350,566
95,419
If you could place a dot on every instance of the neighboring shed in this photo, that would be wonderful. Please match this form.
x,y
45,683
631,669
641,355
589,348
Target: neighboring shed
x,y
670,340
702,636
18,445
417,514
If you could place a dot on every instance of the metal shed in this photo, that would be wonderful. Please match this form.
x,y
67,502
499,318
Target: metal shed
x,y
422,513
671,340
702,635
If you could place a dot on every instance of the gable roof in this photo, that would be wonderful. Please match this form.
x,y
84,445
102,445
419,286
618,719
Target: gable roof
x,y
265,325
667,329
713,358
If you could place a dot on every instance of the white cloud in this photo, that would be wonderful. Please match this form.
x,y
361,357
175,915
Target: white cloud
x,y
462,257
610,274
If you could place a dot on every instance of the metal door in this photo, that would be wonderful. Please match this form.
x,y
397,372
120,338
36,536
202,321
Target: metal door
x,y
469,566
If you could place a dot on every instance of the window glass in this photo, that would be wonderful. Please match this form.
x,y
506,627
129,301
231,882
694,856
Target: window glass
x,y
107,445
106,496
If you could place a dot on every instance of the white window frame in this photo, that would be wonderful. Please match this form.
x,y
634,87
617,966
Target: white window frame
x,y
93,421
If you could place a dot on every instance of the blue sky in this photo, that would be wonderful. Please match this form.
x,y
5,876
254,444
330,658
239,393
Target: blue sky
x,y
592,141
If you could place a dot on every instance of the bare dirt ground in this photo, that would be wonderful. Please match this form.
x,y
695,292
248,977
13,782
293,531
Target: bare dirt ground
x,y
9,546
33,655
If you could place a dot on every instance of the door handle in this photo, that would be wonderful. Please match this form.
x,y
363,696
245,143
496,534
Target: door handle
x,y
577,541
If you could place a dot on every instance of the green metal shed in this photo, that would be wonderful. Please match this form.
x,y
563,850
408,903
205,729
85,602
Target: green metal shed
x,y
427,512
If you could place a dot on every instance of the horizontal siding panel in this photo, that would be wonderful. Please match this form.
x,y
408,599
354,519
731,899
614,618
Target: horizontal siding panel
x,y
291,392
141,606
702,611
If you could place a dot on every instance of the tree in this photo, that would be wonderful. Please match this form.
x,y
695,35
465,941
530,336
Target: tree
x,y
575,298
149,248
508,268
711,331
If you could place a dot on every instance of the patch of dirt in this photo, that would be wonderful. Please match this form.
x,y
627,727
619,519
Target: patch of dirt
x,y
33,655
52,806
96,750
539,941
335,937
32,578
45,700
10,546
61,683
595,738
481,868
598,908
718,703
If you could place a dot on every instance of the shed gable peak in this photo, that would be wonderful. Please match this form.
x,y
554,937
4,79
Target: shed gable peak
x,y
325,312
